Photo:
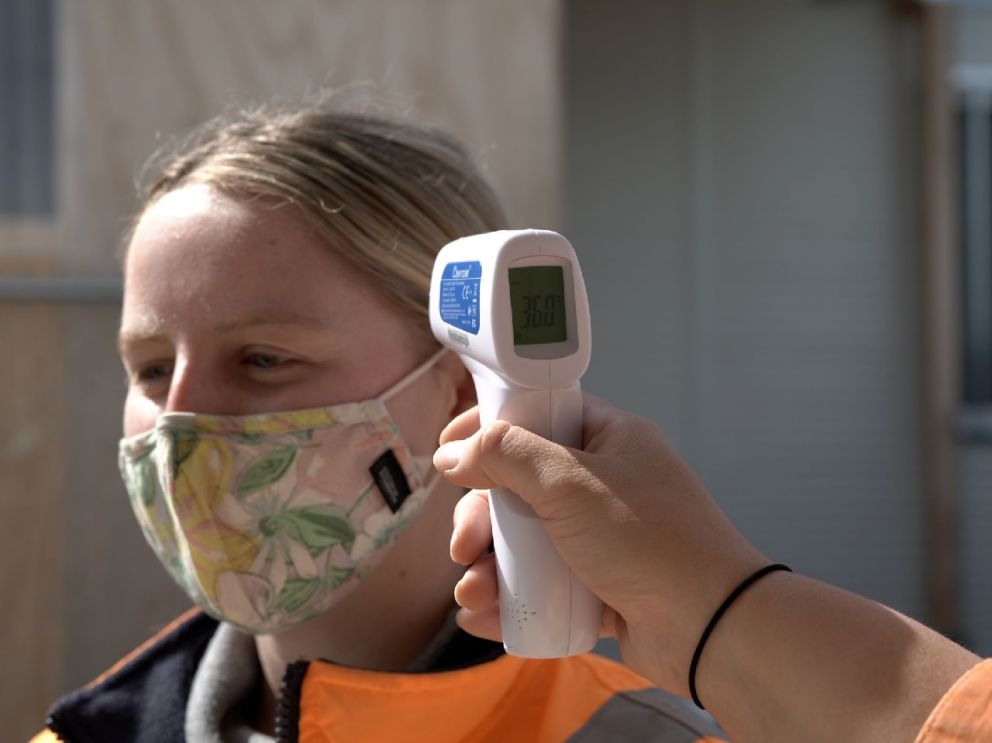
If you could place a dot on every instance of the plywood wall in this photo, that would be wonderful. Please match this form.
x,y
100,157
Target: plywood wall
x,y
137,73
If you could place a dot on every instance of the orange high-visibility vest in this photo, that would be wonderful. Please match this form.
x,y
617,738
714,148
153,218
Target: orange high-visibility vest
x,y
583,699
964,715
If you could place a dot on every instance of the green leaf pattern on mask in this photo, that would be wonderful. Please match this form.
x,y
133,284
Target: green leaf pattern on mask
x,y
336,576
267,471
318,528
295,593
183,443
143,478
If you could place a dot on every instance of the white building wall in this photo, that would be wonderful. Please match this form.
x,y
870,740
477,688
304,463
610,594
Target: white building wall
x,y
742,188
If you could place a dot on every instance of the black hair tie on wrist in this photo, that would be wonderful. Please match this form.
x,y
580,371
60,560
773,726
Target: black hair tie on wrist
x,y
744,585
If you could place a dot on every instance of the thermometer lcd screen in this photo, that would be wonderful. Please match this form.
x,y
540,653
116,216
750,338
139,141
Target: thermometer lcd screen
x,y
537,299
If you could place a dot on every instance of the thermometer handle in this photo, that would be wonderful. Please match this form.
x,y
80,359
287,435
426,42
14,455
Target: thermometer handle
x,y
545,611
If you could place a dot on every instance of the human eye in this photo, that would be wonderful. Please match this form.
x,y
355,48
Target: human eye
x,y
267,361
154,371
263,360
149,374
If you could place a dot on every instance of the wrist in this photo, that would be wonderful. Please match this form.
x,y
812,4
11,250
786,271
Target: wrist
x,y
721,610
665,624
792,651
736,655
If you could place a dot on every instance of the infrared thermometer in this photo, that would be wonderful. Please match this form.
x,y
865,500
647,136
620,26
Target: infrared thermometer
x,y
513,305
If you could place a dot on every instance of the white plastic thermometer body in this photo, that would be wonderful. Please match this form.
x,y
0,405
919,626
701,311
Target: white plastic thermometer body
x,y
513,305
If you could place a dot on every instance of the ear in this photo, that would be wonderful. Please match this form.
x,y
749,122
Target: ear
x,y
461,383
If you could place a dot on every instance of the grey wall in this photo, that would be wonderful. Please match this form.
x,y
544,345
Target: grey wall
x,y
973,35
973,47
741,186
975,473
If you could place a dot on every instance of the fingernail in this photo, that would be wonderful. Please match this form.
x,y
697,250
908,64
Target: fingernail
x,y
448,456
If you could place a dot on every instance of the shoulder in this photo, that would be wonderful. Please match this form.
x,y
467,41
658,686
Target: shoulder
x,y
628,708
145,692
605,672
965,712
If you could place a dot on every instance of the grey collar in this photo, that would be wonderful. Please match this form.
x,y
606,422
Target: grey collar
x,y
228,672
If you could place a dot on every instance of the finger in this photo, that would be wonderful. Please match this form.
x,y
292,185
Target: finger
x,y
597,414
611,624
484,624
509,456
473,531
607,429
462,426
478,590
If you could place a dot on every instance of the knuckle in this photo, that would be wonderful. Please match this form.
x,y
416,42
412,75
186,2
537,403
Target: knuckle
x,y
491,439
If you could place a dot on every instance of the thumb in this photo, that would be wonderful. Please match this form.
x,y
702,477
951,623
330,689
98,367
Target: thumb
x,y
508,456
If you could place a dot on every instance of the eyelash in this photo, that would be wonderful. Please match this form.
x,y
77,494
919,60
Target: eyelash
x,y
262,362
254,359
149,373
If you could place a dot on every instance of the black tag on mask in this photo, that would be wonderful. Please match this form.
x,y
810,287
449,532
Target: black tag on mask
x,y
390,480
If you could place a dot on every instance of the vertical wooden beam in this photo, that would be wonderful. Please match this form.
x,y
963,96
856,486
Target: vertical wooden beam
x,y
940,329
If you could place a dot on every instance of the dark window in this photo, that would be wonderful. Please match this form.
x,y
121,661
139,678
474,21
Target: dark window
x,y
975,137
26,108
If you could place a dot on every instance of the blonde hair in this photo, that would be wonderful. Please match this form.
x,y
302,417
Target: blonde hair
x,y
386,195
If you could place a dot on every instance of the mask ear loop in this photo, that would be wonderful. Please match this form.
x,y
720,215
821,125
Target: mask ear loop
x,y
412,376
426,465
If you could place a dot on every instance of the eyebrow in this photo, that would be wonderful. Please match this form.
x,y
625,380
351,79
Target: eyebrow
x,y
153,329
145,330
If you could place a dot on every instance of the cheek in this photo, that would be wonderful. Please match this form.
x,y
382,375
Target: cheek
x,y
420,415
140,414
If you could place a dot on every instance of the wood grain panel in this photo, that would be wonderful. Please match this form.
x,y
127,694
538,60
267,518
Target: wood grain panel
x,y
31,550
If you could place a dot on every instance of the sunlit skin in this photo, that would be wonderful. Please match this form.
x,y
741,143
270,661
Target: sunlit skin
x,y
235,306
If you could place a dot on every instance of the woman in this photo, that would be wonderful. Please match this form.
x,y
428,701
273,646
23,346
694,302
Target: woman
x,y
284,399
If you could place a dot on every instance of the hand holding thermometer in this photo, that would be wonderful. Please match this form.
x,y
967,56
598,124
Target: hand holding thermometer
x,y
513,305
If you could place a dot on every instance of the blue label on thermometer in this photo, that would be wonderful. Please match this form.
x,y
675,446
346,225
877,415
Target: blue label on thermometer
x,y
459,303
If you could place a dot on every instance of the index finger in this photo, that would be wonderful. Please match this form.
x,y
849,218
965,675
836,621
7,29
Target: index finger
x,y
607,429
597,416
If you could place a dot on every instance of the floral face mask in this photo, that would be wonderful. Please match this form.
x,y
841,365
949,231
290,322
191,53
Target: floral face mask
x,y
268,520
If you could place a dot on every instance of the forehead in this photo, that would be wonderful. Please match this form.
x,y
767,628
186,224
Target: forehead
x,y
199,256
